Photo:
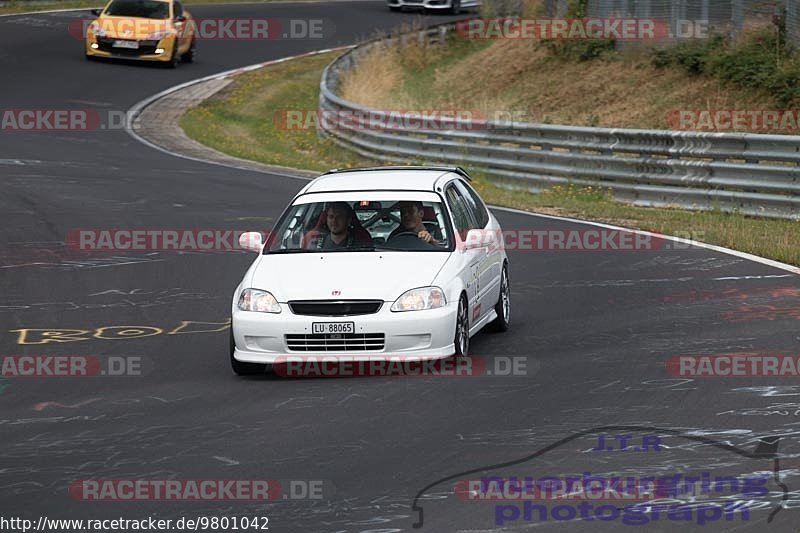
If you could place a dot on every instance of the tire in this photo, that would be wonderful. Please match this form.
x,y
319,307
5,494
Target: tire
x,y
461,338
244,369
396,9
191,53
503,306
455,7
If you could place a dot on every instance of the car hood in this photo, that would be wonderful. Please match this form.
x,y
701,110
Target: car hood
x,y
131,27
356,275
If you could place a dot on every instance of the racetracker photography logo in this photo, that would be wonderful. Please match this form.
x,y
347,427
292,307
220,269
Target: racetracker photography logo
x,y
656,481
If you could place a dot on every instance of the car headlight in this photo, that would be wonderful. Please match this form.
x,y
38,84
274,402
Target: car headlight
x,y
97,29
158,35
259,301
420,299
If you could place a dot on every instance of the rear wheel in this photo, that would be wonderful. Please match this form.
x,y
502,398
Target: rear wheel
x,y
503,306
461,339
394,8
244,369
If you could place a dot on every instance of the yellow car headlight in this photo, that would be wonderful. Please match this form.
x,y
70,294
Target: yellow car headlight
x,y
97,29
158,35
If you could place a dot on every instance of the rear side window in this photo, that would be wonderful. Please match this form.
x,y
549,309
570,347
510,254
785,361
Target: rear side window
x,y
458,207
474,204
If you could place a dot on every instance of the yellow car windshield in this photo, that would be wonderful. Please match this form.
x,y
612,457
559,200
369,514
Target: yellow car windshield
x,y
148,9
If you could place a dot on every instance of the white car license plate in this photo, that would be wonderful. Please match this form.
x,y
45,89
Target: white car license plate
x,y
333,327
126,44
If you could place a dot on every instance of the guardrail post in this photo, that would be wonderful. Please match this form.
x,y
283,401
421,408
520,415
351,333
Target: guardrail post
x,y
792,22
737,18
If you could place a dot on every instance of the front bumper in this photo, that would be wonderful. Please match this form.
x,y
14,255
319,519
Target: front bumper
x,y
427,4
146,51
426,335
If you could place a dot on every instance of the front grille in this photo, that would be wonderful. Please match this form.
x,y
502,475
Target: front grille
x,y
335,342
335,307
105,44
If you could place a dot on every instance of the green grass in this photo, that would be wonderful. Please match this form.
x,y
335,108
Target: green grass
x,y
246,118
240,121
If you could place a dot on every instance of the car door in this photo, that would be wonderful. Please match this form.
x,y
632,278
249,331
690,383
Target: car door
x,y
470,272
489,270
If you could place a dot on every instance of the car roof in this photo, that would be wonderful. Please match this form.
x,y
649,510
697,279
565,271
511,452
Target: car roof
x,y
381,178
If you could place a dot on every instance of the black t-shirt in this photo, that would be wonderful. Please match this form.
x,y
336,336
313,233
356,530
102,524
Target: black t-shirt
x,y
325,242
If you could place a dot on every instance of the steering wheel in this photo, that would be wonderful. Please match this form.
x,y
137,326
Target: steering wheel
x,y
409,239
403,234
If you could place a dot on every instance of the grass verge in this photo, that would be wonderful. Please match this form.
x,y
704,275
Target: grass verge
x,y
247,120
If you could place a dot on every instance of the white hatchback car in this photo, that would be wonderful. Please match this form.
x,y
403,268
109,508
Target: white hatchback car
x,y
370,264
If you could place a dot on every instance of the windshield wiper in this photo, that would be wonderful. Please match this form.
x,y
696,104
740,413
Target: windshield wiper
x,y
290,251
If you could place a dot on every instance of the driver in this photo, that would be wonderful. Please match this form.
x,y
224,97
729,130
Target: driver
x,y
411,215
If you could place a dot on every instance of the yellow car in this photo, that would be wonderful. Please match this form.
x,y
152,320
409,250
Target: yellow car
x,y
147,30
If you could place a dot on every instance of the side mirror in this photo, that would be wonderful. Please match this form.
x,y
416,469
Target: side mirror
x,y
96,12
251,240
180,18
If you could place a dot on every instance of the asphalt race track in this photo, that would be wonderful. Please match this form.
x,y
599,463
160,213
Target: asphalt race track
x,y
594,329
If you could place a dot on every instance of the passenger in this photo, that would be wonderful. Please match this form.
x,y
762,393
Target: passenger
x,y
340,234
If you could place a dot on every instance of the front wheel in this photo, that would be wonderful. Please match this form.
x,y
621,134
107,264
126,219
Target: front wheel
x,y
461,339
174,58
191,53
503,306
244,369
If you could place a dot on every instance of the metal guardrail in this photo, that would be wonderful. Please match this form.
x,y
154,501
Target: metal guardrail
x,y
753,174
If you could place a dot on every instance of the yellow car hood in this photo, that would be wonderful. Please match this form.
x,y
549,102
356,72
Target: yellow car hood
x,y
131,27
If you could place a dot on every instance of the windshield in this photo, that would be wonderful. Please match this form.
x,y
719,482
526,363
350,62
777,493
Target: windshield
x,y
149,9
362,225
